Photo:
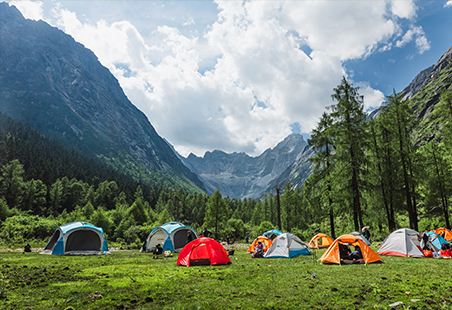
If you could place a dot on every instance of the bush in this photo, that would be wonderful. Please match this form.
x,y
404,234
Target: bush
x,y
23,228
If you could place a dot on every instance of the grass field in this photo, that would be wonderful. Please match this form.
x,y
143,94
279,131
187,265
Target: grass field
x,y
131,280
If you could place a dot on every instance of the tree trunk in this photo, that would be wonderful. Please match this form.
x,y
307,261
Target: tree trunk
x,y
390,177
330,200
382,186
441,190
278,208
409,202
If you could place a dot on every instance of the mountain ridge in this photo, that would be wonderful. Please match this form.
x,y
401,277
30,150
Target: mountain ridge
x,y
46,75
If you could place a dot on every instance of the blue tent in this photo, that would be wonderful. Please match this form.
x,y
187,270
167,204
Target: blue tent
x,y
77,238
172,236
272,233
436,240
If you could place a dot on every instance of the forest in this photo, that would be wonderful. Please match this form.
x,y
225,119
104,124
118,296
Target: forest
x,y
382,171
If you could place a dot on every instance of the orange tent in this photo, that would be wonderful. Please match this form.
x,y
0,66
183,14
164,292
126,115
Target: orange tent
x,y
320,241
265,241
332,255
445,233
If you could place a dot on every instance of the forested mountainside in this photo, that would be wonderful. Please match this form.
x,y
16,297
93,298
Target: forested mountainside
x,y
58,87
238,175
424,94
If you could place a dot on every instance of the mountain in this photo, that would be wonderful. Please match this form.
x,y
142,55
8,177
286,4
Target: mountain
x,y
239,175
424,93
58,87
49,160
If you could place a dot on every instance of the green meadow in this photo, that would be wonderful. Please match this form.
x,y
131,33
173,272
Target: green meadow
x,y
132,280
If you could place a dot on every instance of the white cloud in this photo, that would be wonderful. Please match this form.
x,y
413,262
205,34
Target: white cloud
x,y
29,9
240,85
417,34
373,98
448,3
404,8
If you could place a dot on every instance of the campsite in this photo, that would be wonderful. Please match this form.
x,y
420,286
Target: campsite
x,y
133,280
221,154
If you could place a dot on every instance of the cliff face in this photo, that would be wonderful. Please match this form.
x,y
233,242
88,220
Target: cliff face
x,y
55,85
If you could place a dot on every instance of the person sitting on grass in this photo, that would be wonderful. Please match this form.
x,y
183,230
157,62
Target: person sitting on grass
x,y
344,251
27,248
158,250
258,250
357,254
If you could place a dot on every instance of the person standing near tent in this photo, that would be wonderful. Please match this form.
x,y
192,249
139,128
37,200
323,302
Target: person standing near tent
x,y
425,241
366,233
206,233
190,236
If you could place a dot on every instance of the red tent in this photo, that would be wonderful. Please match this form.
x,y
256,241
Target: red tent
x,y
203,251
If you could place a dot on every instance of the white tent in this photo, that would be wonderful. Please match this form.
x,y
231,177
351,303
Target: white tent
x,y
287,245
358,234
402,242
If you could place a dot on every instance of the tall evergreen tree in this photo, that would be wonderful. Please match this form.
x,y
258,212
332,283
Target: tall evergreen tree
x,y
351,138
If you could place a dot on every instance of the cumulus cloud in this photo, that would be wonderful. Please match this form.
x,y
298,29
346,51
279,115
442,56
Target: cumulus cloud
x,y
373,98
448,3
260,68
417,34
29,9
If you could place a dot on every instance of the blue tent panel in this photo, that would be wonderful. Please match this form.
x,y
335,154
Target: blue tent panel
x,y
272,232
295,253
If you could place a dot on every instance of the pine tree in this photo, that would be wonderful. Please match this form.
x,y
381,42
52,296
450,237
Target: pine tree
x,y
215,213
322,142
351,139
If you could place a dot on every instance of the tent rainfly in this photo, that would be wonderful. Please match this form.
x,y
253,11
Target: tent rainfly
x,y
332,254
320,241
265,241
172,236
77,238
402,242
203,251
273,233
287,245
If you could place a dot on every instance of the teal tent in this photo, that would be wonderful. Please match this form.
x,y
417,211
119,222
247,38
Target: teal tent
x,y
435,240
78,238
172,236
273,233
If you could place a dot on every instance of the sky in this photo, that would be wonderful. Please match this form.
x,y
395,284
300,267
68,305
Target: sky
x,y
240,76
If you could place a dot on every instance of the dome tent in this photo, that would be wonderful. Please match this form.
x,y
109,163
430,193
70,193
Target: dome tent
x,y
78,238
332,254
402,242
287,245
265,241
320,241
435,241
171,236
203,251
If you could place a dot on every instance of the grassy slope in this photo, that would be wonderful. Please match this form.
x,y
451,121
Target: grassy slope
x,y
134,280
